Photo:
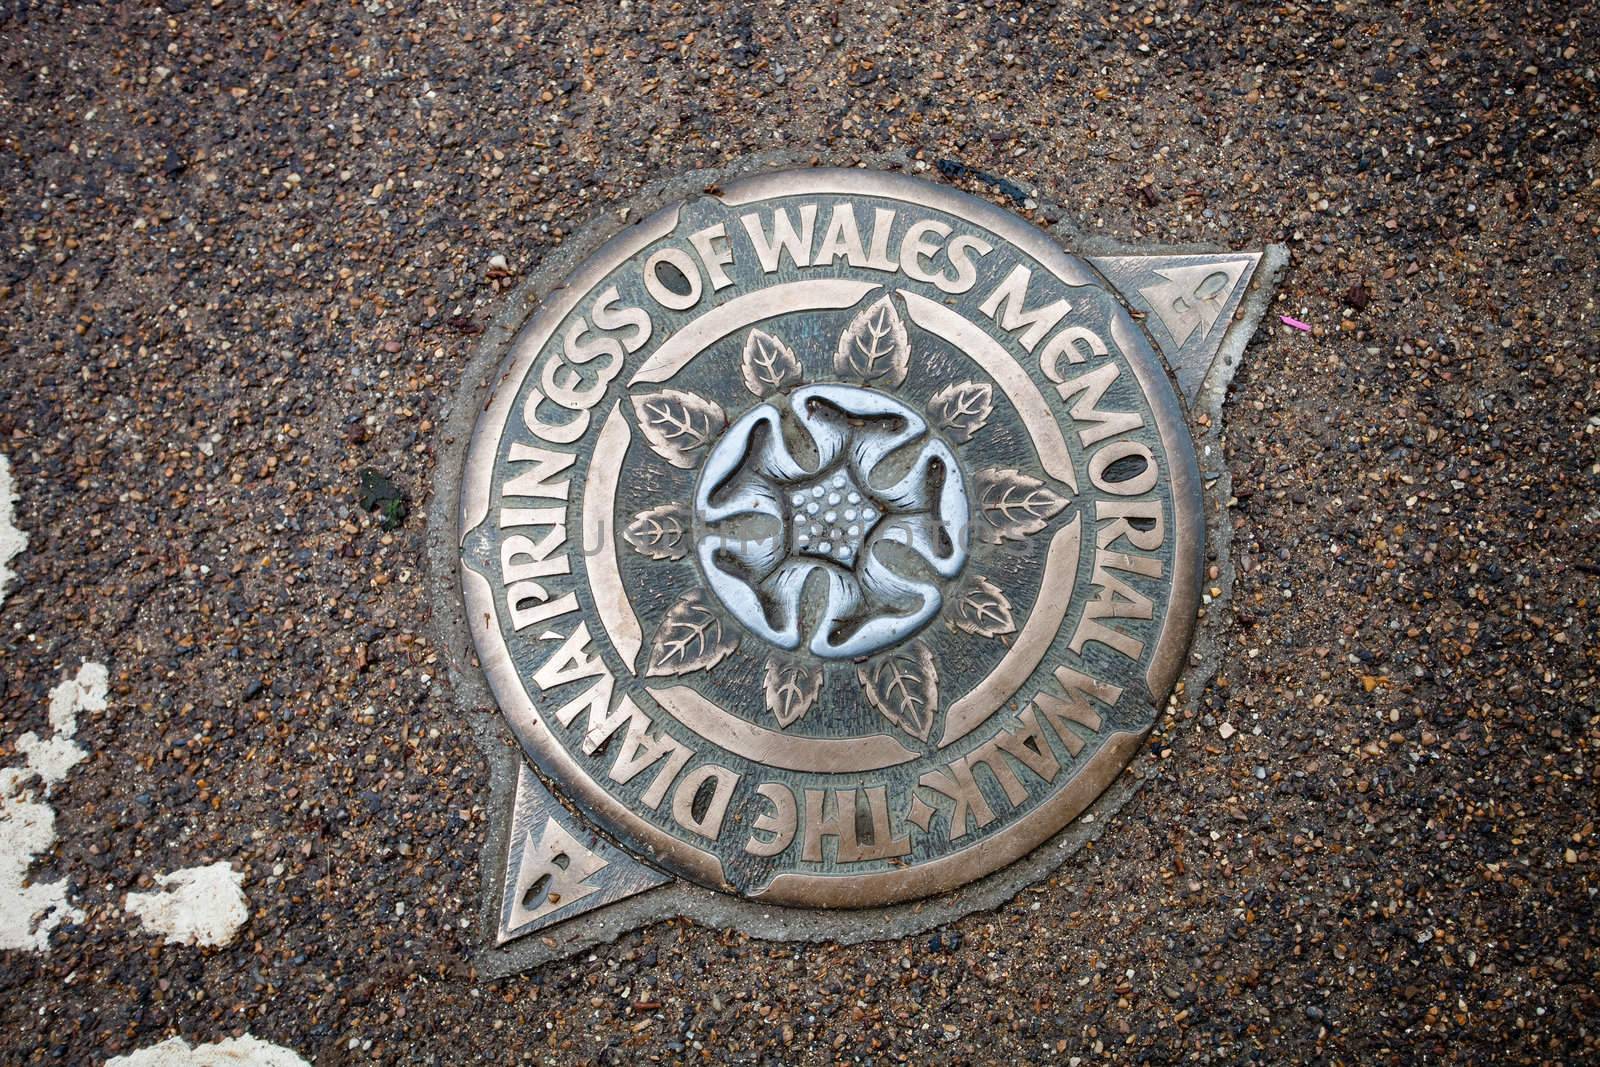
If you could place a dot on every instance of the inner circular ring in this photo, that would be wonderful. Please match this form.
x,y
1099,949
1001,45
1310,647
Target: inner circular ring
x,y
830,520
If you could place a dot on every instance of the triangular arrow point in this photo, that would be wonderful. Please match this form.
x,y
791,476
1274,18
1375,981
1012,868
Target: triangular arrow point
x,y
557,859
1192,297
1188,294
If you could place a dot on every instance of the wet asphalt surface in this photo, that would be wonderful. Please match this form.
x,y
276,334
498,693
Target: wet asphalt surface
x,y
248,249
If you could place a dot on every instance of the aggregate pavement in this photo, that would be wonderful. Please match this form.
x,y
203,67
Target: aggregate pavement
x,y
249,248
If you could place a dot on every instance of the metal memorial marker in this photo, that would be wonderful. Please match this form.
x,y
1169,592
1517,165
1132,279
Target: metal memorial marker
x,y
831,540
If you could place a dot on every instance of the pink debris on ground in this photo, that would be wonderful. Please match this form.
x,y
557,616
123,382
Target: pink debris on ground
x,y
1296,323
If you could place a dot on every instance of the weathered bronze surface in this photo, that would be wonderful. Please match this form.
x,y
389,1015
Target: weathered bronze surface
x,y
832,539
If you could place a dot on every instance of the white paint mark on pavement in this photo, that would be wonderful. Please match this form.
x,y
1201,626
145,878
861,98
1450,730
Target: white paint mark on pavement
x,y
29,912
12,540
51,759
194,906
243,1051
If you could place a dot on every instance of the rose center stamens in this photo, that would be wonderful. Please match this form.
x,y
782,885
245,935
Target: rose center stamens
x,y
831,518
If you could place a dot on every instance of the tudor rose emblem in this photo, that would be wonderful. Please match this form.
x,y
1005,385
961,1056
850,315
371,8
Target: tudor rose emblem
x,y
831,539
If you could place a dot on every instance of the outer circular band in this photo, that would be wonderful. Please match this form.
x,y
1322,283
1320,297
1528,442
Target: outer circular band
x,y
879,887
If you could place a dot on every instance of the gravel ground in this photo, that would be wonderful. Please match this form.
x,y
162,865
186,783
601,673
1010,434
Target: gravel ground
x,y
249,246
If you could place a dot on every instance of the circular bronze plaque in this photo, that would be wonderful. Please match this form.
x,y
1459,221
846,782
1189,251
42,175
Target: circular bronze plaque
x,y
831,539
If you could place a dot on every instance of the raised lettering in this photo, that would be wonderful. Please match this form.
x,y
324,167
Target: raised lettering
x,y
785,240
536,482
1105,423
639,748
841,238
522,558
843,824
988,755
1133,485
659,291
564,385
525,614
570,663
955,782
1074,705
1115,599
557,433
510,518
1070,342
603,718
634,319
961,253
1007,305
720,781
713,257
917,246
780,822
1028,745
882,226
1122,515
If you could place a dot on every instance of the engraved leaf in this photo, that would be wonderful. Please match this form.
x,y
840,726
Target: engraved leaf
x,y
661,532
983,609
904,686
691,638
1013,505
678,424
791,689
768,364
961,409
874,347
